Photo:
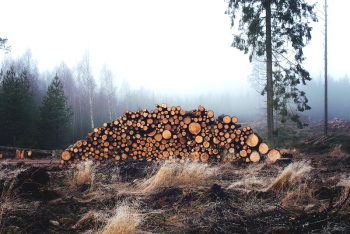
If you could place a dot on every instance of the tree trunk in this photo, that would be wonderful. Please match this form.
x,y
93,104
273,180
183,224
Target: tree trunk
x,y
269,84
91,109
325,73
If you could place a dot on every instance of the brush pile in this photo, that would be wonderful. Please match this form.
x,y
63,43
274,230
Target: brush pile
x,y
170,133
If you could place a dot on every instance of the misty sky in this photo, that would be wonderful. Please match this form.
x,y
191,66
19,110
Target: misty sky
x,y
160,44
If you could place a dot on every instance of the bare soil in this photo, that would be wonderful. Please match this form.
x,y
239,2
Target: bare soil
x,y
51,206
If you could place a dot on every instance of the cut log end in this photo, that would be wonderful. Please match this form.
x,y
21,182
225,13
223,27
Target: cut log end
x,y
210,114
263,148
273,155
252,140
226,119
158,137
79,143
194,128
254,156
166,134
243,153
65,155
234,119
204,157
199,139
194,156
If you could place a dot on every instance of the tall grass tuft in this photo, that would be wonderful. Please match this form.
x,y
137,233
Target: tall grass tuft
x,y
337,151
291,176
344,200
295,187
84,173
124,220
7,198
250,179
175,174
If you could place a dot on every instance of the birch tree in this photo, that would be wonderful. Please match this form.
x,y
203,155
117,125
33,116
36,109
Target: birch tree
x,y
109,89
87,82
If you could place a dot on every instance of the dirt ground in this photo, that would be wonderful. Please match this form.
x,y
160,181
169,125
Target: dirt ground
x,y
304,193
44,201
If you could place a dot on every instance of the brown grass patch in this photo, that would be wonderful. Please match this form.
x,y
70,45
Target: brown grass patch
x,y
84,173
251,180
124,220
344,200
7,198
175,174
337,151
303,195
292,151
295,187
291,177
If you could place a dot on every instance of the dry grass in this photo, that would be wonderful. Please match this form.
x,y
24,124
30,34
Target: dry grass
x,y
84,173
295,187
7,198
291,177
87,219
250,180
293,151
302,195
337,151
175,174
124,220
344,200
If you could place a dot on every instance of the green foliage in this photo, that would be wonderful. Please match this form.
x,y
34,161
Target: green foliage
x,y
55,117
290,33
16,110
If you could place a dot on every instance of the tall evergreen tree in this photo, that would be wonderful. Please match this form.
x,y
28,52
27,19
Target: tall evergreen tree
x,y
3,46
16,110
274,30
55,117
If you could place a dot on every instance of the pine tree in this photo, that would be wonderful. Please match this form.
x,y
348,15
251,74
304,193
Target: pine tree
x,y
55,117
277,31
16,110
3,46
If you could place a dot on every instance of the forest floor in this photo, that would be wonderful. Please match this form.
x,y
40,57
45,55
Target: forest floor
x,y
307,194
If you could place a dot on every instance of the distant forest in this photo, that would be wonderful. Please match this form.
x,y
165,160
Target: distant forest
x,y
96,100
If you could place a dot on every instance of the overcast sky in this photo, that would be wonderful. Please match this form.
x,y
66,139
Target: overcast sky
x,y
159,44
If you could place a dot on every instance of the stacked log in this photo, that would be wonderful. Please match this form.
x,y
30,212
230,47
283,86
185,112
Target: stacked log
x,y
21,153
168,133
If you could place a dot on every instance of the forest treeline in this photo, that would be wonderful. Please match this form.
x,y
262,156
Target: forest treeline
x,y
52,109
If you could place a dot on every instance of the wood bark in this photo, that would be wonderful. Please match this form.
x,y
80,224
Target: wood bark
x,y
269,84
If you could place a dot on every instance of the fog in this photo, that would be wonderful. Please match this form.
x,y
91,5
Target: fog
x,y
157,52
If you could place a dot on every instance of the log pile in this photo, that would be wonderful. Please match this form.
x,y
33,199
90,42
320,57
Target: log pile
x,y
317,139
21,153
339,125
170,133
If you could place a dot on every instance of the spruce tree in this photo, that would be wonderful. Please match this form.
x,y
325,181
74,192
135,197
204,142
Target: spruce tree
x,y
3,46
55,117
275,31
16,110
